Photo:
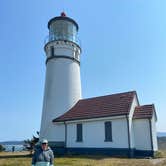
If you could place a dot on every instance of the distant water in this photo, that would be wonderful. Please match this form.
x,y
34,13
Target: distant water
x,y
161,134
17,148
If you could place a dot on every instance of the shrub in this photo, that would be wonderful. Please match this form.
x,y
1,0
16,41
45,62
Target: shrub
x,y
29,144
159,154
2,148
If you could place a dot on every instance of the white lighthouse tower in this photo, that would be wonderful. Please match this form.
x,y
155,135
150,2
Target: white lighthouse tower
x,y
62,83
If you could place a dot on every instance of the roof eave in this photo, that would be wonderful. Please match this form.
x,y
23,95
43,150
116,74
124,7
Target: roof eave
x,y
89,119
142,118
154,111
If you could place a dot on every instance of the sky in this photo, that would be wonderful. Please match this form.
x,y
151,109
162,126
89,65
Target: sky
x,y
123,49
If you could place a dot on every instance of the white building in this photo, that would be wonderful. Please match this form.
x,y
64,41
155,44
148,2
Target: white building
x,y
115,124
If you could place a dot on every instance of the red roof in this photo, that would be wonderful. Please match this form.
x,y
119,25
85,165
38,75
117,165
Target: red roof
x,y
145,111
98,107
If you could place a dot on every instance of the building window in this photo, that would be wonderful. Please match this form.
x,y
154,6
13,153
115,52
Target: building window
x,y
108,131
76,56
79,133
52,51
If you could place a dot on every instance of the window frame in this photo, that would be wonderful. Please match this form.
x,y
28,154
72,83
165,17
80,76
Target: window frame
x,y
79,132
52,51
108,131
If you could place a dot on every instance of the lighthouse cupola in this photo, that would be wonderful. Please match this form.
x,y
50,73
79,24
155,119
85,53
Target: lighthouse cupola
x,y
63,31
63,28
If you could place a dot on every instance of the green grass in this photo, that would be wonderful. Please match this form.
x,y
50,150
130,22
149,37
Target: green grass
x,y
160,154
8,159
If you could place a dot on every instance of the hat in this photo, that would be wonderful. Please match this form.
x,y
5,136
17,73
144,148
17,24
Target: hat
x,y
44,141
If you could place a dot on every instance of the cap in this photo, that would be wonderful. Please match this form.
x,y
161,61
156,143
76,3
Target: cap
x,y
44,141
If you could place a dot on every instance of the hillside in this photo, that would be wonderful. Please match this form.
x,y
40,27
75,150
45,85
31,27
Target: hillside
x,y
12,143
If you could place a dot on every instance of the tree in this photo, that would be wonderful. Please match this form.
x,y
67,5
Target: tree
x,y
29,144
2,148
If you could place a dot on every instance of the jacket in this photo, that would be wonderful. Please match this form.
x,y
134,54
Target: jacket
x,y
43,157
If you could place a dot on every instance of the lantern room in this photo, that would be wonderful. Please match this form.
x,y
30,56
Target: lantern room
x,y
63,28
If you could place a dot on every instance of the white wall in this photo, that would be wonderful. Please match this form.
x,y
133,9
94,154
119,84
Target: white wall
x,y
62,88
142,134
54,133
154,133
131,129
94,134
63,49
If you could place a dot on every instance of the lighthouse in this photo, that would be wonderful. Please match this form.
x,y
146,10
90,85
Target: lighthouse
x,y
114,124
62,83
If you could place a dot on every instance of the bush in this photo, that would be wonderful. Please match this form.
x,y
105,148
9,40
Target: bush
x,y
2,148
29,144
160,154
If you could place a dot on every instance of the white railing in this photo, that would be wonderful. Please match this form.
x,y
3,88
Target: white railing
x,y
50,38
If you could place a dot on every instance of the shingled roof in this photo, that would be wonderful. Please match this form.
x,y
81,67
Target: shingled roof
x,y
103,106
145,111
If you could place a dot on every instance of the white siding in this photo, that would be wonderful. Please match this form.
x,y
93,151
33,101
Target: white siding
x,y
131,129
142,134
154,133
62,89
94,134
54,133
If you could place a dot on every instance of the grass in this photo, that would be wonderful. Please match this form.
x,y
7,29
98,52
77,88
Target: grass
x,y
22,159
160,154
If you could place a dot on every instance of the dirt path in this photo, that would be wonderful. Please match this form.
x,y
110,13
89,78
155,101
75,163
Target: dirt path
x,y
157,161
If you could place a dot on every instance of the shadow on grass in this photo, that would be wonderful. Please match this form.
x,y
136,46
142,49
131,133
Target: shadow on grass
x,y
15,156
93,157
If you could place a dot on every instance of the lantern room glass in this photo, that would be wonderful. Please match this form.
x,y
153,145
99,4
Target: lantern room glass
x,y
63,30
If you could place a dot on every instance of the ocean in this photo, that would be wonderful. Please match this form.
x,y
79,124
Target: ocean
x,y
17,148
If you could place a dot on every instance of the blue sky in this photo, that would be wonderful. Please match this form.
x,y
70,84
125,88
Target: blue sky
x,y
123,48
